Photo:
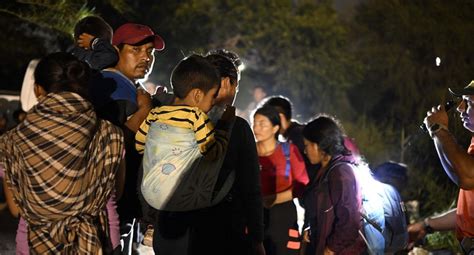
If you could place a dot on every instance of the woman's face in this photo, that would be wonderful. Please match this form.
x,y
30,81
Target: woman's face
x,y
314,153
263,128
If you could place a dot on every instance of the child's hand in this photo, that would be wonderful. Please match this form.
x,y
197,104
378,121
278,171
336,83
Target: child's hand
x,y
85,41
229,114
160,90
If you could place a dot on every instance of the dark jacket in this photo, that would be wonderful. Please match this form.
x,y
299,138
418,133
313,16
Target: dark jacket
x,y
233,225
101,55
332,204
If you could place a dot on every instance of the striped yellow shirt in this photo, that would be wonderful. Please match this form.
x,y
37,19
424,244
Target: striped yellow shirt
x,y
212,144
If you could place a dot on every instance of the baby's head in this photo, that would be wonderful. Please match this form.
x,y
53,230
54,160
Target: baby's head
x,y
196,82
95,26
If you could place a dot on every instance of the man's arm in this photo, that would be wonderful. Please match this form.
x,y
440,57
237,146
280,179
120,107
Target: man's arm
x,y
144,107
444,222
457,163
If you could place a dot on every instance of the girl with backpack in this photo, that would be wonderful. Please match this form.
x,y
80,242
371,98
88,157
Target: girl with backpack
x,y
283,177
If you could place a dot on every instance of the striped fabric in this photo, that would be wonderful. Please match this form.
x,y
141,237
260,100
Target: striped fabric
x,y
185,117
60,165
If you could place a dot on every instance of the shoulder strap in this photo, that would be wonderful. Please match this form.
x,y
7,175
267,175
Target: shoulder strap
x,y
286,152
371,222
338,163
226,187
364,216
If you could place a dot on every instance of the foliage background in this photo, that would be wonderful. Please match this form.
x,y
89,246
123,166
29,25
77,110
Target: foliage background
x,y
372,66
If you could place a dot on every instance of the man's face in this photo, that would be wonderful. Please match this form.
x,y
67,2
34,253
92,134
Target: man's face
x,y
466,110
136,61
227,92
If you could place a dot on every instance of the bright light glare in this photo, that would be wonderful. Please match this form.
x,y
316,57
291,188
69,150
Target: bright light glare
x,y
241,67
438,61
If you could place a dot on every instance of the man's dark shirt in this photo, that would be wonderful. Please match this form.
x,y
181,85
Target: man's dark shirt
x,y
236,223
224,226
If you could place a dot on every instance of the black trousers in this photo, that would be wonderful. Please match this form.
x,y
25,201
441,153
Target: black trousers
x,y
281,228
208,231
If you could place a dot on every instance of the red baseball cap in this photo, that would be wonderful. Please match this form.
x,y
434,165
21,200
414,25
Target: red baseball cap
x,y
131,33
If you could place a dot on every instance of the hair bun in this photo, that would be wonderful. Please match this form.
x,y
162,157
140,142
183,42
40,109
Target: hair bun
x,y
76,72
60,72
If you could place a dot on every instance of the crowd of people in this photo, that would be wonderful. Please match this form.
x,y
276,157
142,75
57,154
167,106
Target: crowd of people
x,y
100,164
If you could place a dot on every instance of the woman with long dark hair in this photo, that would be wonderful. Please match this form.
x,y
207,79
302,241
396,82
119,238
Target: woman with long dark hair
x,y
332,200
283,177
61,163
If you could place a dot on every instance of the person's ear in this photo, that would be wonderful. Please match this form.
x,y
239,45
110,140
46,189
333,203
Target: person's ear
x,y
39,91
197,95
276,129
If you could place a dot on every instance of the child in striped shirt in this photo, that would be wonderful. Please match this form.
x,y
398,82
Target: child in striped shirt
x,y
174,138
195,85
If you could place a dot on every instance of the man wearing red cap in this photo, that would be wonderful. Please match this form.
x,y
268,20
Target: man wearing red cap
x,y
119,98
116,95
